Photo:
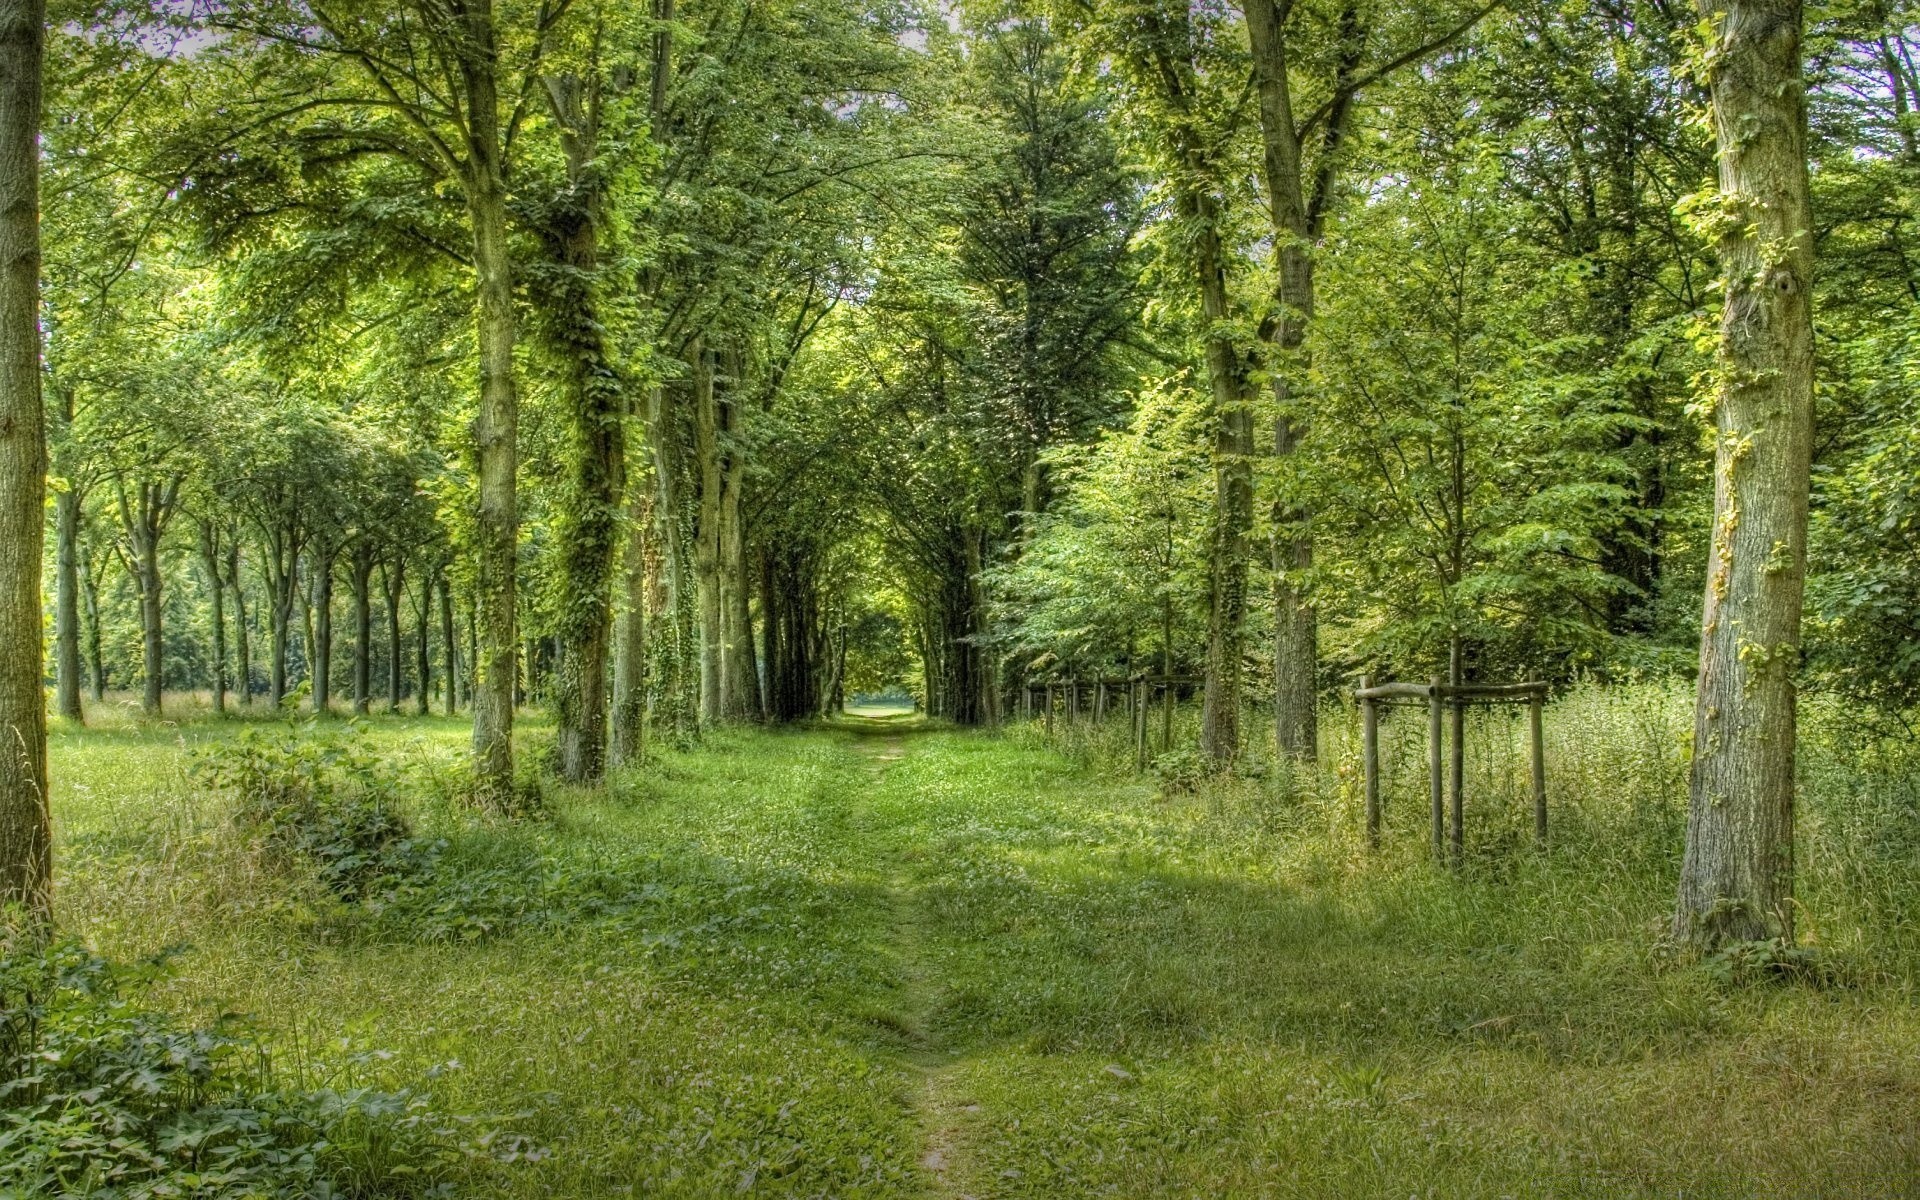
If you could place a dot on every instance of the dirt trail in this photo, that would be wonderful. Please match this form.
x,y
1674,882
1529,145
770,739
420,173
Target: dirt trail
x,y
942,1109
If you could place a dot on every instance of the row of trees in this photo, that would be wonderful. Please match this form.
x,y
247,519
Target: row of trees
x,y
698,362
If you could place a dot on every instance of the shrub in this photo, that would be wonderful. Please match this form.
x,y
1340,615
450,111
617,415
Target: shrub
x,y
102,1098
323,799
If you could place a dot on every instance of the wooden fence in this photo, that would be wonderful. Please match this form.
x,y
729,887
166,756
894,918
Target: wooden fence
x,y
1135,693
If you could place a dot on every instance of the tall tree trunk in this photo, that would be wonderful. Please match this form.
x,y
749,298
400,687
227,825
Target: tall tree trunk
x,y
1295,227
96,660
280,562
449,644
393,585
320,638
589,529
496,428
361,581
1230,545
1736,883
216,596
243,649
423,644
708,538
26,839
629,718
66,605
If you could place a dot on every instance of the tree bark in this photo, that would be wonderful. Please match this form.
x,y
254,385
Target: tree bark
x,y
496,427
243,648
1230,543
320,642
708,538
361,581
449,644
1736,882
96,660
144,517
26,839
588,532
423,644
628,733
66,608
393,585
216,596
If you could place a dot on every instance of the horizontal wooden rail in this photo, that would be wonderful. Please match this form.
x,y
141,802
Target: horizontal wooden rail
x,y
1448,691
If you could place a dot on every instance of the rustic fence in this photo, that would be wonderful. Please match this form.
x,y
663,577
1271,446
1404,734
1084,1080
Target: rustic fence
x,y
1438,697
1074,700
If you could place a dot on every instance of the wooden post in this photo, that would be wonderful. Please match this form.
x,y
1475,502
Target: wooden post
x,y
1370,759
1073,702
1458,767
1049,709
1137,693
1435,768
1535,704
1166,715
1100,702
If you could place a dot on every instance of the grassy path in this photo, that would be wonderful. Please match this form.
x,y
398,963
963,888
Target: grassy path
x,y
886,960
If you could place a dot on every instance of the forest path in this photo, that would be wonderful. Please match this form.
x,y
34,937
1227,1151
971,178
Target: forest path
x,y
940,1107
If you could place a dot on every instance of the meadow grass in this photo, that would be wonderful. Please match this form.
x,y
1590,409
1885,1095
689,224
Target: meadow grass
x,y
882,958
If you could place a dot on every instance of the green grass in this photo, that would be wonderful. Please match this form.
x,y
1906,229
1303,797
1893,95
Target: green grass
x,y
887,959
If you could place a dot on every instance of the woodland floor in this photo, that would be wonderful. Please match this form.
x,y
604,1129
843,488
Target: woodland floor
x,y
885,959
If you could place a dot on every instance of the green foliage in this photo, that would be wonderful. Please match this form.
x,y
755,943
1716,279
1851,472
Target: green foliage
x,y
103,1097
324,800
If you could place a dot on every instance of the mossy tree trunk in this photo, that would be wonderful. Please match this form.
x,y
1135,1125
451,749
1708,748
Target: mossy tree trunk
x,y
26,840
1736,882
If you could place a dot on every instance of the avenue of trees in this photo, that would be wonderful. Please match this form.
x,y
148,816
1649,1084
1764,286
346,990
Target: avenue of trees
x,y
712,360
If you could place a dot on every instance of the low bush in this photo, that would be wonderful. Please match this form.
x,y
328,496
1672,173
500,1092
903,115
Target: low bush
x,y
322,799
100,1097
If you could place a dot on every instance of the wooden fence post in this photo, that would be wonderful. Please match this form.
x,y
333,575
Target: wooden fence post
x,y
1137,694
1099,701
1370,759
1166,715
1049,708
1435,769
1457,773
1537,744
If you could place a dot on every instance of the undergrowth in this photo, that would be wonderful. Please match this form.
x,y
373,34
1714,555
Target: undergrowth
x,y
101,1096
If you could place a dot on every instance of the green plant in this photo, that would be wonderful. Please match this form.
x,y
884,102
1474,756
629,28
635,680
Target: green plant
x,y
103,1098
1180,771
321,798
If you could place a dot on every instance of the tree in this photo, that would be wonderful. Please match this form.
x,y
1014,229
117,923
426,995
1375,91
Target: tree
x,y
26,835
1736,882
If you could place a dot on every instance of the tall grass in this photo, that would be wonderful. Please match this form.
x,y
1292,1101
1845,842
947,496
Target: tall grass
x,y
1617,765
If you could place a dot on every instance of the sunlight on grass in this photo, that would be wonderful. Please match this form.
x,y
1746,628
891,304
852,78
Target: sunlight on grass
x,y
815,962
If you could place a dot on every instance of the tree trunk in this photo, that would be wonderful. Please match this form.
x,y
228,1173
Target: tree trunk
x,y
393,584
216,596
320,645
1230,544
66,608
96,661
628,733
496,428
148,580
361,580
243,648
1736,883
1296,625
423,645
449,644
26,839
589,529
708,539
